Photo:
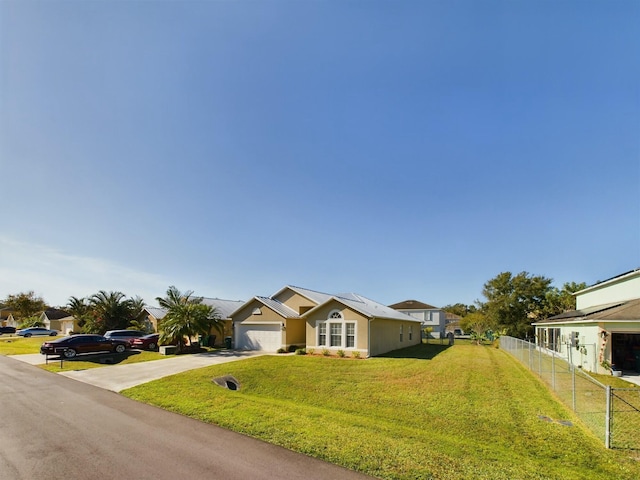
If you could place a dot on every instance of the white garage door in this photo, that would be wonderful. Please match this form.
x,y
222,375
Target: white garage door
x,y
259,337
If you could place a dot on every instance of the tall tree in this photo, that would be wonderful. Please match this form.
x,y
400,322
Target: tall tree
x,y
80,309
460,309
562,300
514,301
111,311
186,317
25,304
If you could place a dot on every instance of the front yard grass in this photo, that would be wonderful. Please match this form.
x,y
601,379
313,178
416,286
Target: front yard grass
x,y
15,345
96,360
434,412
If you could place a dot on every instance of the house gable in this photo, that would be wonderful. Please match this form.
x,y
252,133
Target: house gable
x,y
301,300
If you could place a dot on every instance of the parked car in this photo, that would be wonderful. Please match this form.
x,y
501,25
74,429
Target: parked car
x,y
7,330
71,346
127,335
33,331
148,342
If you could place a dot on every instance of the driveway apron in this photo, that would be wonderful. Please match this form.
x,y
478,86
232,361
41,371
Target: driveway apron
x,y
120,377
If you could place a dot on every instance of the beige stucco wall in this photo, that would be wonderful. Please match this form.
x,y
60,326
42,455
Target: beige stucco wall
x,y
348,315
247,316
295,332
385,335
294,301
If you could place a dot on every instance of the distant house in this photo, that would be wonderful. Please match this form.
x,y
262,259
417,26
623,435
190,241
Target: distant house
x,y
56,319
299,317
604,328
429,316
453,323
154,315
6,317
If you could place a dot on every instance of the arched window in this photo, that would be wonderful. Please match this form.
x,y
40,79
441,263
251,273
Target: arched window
x,y
335,314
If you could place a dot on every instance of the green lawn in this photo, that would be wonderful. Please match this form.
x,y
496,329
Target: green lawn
x,y
14,345
464,412
19,345
84,362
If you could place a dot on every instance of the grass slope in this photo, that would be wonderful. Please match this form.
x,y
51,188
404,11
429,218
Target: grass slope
x,y
448,413
15,345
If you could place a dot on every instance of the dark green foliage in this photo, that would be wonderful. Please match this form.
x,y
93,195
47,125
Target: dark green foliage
x,y
25,304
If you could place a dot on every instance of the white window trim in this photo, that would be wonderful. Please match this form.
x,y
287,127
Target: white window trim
x,y
343,335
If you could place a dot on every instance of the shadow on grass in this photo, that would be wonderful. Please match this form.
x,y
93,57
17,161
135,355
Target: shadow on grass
x,y
425,351
101,358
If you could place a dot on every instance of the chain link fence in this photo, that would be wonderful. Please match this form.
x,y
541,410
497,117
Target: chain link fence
x,y
612,414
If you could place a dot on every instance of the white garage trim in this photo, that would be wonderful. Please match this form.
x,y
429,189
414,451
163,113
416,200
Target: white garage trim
x,y
265,337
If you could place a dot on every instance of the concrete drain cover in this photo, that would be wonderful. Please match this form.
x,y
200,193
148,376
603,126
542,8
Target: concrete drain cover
x,y
227,381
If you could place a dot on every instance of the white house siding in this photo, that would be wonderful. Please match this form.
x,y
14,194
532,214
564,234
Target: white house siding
x,y
625,287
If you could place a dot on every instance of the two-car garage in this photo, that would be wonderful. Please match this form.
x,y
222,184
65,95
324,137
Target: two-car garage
x,y
263,336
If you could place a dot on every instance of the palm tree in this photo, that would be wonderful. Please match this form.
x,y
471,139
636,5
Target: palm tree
x,y
79,308
186,317
111,311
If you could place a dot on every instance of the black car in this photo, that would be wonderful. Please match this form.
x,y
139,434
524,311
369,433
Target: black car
x,y
7,330
71,346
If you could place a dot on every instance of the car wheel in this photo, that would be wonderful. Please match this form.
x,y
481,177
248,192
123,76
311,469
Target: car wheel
x,y
52,334
120,348
27,335
152,346
69,353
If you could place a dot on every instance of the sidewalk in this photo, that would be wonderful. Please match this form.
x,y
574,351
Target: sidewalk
x,y
120,377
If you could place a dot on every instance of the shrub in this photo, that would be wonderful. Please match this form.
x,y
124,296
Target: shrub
x,y
325,352
301,351
311,351
293,348
355,354
282,350
340,353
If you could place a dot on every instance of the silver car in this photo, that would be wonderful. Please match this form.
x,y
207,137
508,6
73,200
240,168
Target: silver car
x,y
33,331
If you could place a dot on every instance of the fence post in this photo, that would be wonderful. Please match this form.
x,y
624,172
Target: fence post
x,y
607,421
553,370
573,385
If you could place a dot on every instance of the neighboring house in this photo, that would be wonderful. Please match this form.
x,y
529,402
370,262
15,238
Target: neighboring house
x,y
605,327
222,307
154,316
453,323
299,317
6,317
56,319
430,316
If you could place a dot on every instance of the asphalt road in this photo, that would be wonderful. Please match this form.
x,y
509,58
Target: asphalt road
x,y
55,427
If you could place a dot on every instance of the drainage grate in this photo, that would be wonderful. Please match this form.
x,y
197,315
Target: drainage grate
x,y
227,381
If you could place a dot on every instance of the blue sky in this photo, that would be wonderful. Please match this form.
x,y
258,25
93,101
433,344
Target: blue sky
x,y
405,149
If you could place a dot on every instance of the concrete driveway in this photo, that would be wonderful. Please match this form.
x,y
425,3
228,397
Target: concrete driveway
x,y
120,377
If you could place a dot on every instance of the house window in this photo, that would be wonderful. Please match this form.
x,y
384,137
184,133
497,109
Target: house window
x,y
335,314
336,334
401,332
322,334
351,335
410,332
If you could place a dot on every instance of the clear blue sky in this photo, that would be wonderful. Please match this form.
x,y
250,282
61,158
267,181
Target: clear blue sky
x,y
397,149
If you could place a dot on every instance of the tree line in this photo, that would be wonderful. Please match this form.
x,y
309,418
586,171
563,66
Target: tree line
x,y
512,303
186,315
